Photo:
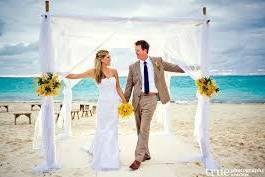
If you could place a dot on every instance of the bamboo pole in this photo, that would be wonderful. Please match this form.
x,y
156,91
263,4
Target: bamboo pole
x,y
204,12
47,6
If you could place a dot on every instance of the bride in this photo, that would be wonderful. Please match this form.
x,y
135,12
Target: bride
x,y
104,148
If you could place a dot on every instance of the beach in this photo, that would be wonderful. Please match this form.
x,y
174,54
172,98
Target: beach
x,y
237,140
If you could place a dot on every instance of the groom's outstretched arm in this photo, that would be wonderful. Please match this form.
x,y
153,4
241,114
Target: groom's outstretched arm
x,y
171,67
129,85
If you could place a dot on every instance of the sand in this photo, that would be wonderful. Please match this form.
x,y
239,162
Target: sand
x,y
237,139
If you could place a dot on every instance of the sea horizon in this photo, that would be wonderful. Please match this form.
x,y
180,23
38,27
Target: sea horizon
x,y
233,89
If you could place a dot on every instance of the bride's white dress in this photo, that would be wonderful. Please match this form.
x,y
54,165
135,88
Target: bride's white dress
x,y
104,149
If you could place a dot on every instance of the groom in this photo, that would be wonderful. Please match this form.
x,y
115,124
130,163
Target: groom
x,y
146,79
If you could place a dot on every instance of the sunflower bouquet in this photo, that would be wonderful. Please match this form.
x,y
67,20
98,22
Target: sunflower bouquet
x,y
207,86
48,85
125,110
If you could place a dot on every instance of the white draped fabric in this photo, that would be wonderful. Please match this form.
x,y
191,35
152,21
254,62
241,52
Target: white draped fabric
x,y
190,50
64,120
75,40
163,112
44,135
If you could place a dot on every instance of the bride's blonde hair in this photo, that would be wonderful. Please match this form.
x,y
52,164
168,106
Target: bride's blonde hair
x,y
98,65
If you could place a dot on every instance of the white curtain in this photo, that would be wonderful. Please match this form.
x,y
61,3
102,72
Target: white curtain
x,y
190,50
65,118
183,41
163,111
44,127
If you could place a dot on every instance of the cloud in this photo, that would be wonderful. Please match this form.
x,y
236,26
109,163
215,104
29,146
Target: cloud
x,y
19,64
19,59
19,48
1,27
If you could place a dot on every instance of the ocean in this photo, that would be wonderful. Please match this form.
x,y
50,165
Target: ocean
x,y
233,89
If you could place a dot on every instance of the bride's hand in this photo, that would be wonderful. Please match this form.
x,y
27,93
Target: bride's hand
x,y
63,74
124,101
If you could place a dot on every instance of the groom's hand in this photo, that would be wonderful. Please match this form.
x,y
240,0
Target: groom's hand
x,y
129,85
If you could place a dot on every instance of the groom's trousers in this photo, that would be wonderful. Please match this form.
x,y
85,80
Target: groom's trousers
x,y
143,117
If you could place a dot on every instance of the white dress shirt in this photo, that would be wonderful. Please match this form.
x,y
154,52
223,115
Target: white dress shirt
x,y
150,68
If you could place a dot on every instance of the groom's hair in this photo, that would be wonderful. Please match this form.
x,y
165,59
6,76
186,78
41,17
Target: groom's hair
x,y
143,44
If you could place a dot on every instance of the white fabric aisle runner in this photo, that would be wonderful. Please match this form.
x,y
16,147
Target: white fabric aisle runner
x,y
164,149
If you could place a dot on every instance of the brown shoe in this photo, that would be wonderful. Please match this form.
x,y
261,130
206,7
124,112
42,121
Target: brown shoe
x,y
146,158
135,165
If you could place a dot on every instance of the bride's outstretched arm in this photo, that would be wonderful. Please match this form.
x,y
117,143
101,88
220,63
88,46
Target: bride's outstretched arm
x,y
118,87
88,73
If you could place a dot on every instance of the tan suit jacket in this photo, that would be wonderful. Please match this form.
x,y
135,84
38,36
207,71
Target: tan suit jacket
x,y
134,80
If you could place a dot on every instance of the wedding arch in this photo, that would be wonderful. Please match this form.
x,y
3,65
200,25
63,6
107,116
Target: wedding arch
x,y
68,44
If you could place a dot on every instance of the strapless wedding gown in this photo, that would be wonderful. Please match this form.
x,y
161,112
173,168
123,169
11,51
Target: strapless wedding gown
x,y
104,149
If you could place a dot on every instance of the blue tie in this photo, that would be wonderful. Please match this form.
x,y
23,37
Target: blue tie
x,y
146,81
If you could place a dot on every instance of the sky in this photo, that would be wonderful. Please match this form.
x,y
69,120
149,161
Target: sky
x,y
237,29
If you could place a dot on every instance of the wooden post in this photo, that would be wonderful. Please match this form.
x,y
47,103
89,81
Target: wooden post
x,y
204,10
47,6
204,13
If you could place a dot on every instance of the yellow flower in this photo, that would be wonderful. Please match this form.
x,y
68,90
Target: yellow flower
x,y
125,110
48,85
206,86
157,65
